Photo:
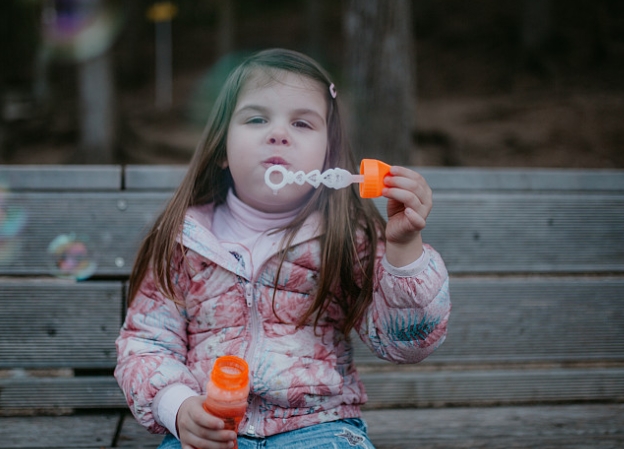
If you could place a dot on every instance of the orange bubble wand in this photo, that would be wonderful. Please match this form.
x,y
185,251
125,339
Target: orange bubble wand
x,y
372,174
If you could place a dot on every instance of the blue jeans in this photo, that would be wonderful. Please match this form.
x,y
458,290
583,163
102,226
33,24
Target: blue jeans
x,y
342,434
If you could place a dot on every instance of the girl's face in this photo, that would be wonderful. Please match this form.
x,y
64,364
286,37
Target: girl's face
x,y
276,122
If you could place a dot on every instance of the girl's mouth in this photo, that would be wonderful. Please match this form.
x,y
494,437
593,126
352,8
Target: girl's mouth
x,y
274,161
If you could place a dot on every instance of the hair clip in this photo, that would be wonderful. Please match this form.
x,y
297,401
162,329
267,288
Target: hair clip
x,y
332,90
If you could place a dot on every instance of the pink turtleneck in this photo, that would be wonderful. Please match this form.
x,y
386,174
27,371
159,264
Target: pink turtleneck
x,y
247,231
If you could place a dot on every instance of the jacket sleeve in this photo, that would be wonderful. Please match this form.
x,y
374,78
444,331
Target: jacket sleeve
x,y
408,317
152,349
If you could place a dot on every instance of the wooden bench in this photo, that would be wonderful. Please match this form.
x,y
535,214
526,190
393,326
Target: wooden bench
x,y
535,350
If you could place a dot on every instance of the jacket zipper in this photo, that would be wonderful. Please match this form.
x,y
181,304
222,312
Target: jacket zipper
x,y
251,353
254,414
249,291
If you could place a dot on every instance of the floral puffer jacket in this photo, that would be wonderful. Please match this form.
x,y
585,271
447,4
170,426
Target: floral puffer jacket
x,y
299,376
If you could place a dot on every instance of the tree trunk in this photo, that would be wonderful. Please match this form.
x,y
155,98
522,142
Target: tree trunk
x,y
381,78
226,26
535,33
314,25
536,24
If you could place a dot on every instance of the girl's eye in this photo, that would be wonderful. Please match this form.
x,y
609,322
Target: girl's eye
x,y
301,124
256,121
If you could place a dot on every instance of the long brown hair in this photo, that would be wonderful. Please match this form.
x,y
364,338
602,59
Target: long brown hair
x,y
342,211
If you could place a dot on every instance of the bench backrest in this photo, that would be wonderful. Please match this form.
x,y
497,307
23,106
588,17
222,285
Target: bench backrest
x,y
537,274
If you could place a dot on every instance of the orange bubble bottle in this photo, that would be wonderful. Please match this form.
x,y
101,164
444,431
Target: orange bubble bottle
x,y
227,391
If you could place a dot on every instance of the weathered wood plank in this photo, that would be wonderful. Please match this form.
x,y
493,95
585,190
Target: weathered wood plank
x,y
491,233
590,426
522,179
53,324
59,393
494,320
135,436
151,177
47,432
413,388
111,226
576,426
60,177
386,389
529,319
527,233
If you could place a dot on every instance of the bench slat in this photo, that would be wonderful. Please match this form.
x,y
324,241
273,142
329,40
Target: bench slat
x,y
59,393
94,431
491,233
134,436
567,319
522,179
527,233
386,389
493,320
60,177
110,224
492,387
150,177
69,324
587,426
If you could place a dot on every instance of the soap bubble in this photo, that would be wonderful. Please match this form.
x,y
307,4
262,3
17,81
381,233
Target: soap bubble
x,y
12,221
78,30
71,257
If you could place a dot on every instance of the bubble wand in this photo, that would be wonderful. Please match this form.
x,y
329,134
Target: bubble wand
x,y
372,174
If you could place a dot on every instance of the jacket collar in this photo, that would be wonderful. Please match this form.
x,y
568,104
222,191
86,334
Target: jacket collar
x,y
197,236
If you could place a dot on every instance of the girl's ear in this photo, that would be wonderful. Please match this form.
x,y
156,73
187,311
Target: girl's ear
x,y
224,164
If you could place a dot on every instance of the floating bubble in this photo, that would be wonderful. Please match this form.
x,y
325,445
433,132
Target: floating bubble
x,y
71,257
78,30
12,221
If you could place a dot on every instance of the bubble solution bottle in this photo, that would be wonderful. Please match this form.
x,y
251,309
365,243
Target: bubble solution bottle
x,y
227,391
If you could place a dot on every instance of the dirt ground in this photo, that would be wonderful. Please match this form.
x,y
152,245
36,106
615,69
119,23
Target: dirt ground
x,y
477,104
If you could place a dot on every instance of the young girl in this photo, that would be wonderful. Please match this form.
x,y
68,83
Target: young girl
x,y
231,268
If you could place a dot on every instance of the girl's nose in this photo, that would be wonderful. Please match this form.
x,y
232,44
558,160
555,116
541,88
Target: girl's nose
x,y
278,137
274,141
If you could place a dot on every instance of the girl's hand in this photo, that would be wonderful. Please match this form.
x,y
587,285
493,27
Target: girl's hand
x,y
409,203
198,429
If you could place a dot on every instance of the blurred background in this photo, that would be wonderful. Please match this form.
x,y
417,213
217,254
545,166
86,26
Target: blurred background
x,y
508,83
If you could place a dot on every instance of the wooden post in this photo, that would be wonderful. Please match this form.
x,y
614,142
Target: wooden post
x,y
162,13
97,119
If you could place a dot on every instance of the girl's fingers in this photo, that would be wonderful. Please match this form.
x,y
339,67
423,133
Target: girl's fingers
x,y
409,188
201,430
405,199
416,220
409,180
220,439
212,434
194,442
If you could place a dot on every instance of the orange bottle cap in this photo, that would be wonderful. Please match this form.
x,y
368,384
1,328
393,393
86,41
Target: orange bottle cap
x,y
374,172
230,373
